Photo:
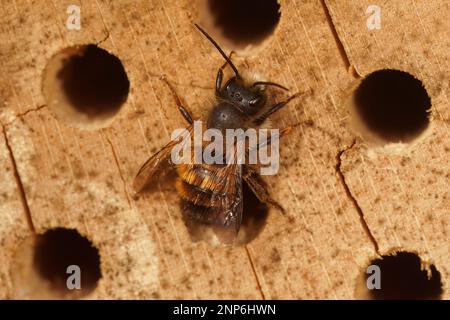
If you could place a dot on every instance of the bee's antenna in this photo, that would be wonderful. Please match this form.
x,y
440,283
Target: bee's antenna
x,y
220,50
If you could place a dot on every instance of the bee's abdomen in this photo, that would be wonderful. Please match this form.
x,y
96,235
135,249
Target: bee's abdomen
x,y
203,185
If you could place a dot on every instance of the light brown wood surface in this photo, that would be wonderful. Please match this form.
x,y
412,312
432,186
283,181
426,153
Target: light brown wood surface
x,y
338,189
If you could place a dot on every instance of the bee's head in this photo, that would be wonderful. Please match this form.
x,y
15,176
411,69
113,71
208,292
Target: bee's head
x,y
238,101
247,100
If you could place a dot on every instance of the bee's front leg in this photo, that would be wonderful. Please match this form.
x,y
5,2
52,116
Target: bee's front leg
x,y
183,110
219,76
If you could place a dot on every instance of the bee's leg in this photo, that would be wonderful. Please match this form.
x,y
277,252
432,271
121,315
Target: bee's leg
x,y
269,140
258,187
274,109
219,76
183,110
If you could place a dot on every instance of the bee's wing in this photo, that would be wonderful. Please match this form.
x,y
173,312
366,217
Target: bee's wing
x,y
229,215
155,165
225,211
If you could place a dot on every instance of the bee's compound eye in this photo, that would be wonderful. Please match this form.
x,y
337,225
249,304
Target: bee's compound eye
x,y
255,101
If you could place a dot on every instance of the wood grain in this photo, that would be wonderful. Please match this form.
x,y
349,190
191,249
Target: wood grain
x,y
404,193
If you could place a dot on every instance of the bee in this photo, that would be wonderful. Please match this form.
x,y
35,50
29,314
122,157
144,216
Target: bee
x,y
212,194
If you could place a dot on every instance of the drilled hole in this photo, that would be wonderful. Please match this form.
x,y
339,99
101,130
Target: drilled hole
x,y
85,86
254,218
393,105
59,248
403,278
245,22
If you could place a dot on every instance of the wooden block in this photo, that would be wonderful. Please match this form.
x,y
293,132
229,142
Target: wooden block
x,y
13,227
346,202
403,189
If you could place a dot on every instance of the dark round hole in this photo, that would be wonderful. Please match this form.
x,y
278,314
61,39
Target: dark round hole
x,y
254,215
393,104
94,81
59,248
245,22
402,278
85,86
